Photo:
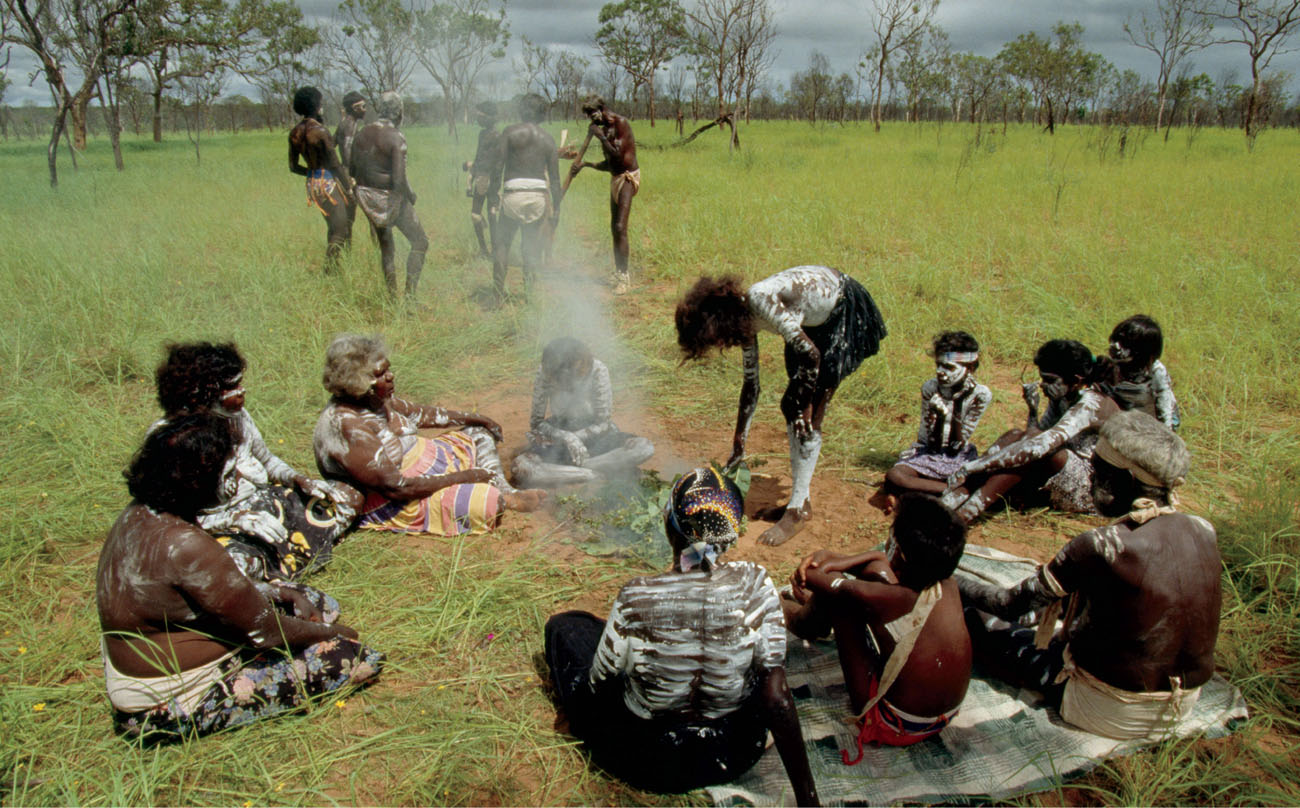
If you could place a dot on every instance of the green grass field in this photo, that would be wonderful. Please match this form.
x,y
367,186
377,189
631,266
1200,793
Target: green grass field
x,y
1018,238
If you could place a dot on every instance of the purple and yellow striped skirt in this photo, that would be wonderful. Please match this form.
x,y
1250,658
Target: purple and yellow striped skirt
x,y
450,511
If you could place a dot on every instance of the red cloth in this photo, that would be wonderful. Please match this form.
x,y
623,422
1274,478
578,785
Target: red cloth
x,y
883,725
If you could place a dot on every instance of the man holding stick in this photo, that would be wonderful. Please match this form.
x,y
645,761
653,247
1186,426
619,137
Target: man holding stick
x,y
615,136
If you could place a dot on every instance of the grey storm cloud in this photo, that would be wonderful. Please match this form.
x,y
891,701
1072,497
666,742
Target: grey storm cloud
x,y
840,29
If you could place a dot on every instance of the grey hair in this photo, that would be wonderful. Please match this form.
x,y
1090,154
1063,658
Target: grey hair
x,y
1148,444
350,364
389,106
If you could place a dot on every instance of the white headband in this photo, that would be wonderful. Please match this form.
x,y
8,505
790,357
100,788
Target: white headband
x,y
962,357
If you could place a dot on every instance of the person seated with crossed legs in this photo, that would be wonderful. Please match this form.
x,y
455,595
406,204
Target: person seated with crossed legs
x,y
1140,598
579,441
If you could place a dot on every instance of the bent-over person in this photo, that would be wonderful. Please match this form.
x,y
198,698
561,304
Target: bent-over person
x,y
379,165
829,324
1140,598
190,645
329,186
445,485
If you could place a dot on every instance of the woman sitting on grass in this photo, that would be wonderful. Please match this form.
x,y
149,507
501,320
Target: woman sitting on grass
x,y
579,442
1140,380
1052,454
951,405
190,645
276,522
679,689
366,436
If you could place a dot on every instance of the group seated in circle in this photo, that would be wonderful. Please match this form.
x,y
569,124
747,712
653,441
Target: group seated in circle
x,y
199,579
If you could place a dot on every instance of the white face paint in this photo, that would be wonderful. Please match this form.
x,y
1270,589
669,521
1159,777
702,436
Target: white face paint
x,y
1054,387
1120,353
950,374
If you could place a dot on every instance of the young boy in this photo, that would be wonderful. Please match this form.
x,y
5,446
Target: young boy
x,y
898,623
1141,381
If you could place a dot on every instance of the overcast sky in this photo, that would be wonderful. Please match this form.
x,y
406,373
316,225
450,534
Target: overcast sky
x,y
838,28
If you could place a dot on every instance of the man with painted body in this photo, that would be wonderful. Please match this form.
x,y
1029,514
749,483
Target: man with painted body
x,y
481,170
329,186
1142,598
528,179
616,140
354,112
378,162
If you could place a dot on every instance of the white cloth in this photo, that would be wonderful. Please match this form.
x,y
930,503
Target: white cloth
x,y
526,184
134,694
1090,704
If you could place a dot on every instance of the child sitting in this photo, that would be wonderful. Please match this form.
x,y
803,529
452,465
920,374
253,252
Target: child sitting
x,y
951,405
897,616
578,442
1140,381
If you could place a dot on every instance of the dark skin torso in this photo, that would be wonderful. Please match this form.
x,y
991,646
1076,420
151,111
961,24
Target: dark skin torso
x,y
616,141
525,150
310,141
169,583
379,159
1154,612
937,672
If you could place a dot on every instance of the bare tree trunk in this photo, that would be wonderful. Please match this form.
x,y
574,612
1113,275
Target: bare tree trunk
x,y
52,151
77,111
112,119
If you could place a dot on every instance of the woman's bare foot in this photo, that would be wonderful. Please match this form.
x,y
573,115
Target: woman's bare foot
x,y
525,501
793,521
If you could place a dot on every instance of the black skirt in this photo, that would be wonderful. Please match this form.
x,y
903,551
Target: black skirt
x,y
852,333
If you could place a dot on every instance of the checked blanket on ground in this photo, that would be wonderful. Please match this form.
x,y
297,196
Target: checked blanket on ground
x,y
1001,744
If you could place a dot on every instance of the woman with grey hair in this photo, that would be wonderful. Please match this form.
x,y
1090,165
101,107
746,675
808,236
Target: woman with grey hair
x,y
366,436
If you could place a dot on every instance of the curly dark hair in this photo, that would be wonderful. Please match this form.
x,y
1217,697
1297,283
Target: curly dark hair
x,y
592,103
178,469
306,102
1142,336
194,374
714,314
1071,360
931,539
956,342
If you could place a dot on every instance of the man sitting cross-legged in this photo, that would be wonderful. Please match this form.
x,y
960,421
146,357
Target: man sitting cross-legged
x,y
1143,597
898,623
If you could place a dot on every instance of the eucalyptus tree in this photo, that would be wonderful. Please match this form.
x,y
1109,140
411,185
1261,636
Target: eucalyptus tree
x,y
63,34
1177,29
897,24
373,42
454,40
640,37
1265,28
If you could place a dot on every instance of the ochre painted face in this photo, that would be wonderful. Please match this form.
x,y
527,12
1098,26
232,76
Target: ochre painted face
x,y
383,387
950,374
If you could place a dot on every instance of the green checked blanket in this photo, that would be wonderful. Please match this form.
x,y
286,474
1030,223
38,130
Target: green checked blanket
x,y
1001,744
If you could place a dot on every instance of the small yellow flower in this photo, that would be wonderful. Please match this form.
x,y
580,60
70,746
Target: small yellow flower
x,y
422,712
44,495
341,703
280,787
22,649
38,706
281,440
442,687
248,804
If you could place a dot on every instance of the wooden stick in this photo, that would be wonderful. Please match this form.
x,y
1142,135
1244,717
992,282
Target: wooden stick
x,y
568,178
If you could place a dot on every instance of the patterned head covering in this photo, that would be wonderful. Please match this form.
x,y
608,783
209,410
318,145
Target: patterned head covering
x,y
703,516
